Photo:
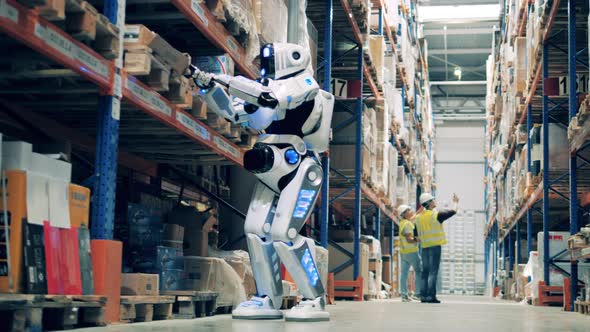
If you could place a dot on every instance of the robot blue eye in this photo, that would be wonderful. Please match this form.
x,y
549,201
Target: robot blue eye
x,y
266,52
292,157
262,72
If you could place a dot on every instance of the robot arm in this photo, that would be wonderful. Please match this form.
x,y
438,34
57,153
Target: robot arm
x,y
276,94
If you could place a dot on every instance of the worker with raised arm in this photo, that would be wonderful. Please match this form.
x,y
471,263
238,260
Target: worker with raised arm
x,y
432,236
409,253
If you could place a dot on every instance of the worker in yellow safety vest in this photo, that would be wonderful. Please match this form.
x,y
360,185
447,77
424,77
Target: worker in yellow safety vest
x,y
409,253
432,236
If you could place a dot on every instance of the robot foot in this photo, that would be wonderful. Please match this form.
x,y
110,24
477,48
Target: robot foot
x,y
309,311
258,308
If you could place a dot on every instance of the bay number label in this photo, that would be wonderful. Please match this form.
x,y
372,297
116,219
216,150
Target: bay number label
x,y
581,82
338,87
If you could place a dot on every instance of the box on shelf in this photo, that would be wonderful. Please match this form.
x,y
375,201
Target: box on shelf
x,y
139,284
271,20
17,215
218,64
336,258
16,155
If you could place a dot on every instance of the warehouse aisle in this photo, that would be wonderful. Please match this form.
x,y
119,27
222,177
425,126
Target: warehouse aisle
x,y
458,313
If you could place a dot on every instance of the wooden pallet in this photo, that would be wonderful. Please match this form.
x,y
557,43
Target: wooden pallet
x,y
192,304
352,290
582,307
224,310
289,302
145,308
50,312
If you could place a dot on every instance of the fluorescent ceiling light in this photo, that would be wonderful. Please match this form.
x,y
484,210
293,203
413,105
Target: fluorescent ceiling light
x,y
463,12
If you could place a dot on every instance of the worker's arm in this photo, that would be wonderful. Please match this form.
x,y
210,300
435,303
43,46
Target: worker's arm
x,y
446,214
409,235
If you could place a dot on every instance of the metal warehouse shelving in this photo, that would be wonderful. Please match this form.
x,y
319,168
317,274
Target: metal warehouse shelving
x,y
558,192
80,96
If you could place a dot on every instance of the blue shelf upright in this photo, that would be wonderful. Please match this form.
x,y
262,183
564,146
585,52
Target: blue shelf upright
x,y
107,142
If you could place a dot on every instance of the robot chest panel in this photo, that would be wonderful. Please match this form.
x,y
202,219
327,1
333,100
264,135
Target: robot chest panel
x,y
293,122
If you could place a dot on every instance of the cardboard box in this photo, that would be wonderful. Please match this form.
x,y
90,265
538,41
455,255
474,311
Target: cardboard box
x,y
34,259
17,215
50,167
16,155
140,284
337,258
199,109
377,52
79,205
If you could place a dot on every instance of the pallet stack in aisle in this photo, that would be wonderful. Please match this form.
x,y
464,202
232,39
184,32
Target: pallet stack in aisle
x,y
459,255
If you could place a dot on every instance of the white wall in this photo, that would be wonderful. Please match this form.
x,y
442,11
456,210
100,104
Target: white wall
x,y
460,169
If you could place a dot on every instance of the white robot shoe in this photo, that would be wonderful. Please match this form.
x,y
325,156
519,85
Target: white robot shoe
x,y
309,311
257,308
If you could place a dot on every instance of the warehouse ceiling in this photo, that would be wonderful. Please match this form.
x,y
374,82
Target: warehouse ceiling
x,y
459,39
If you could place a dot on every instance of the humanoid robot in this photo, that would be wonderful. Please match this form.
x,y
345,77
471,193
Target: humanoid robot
x,y
287,103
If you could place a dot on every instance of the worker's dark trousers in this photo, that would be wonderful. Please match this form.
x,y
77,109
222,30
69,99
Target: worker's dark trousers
x,y
430,265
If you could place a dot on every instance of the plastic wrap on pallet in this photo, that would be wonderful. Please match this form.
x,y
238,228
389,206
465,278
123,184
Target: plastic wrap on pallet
x,y
271,19
241,12
214,275
374,246
239,260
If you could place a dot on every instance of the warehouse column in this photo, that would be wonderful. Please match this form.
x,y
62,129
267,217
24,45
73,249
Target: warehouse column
x,y
107,141
325,200
573,162
546,215
391,234
529,212
358,166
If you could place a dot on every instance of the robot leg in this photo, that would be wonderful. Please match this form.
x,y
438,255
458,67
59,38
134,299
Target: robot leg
x,y
297,252
264,259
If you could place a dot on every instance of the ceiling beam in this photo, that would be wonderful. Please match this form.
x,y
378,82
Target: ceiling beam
x,y
460,51
458,32
437,69
458,83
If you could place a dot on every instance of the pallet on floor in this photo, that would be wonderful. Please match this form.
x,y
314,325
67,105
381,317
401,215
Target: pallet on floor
x,y
145,308
192,304
289,302
349,289
20,312
582,307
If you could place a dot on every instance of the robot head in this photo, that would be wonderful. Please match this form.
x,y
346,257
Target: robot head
x,y
282,60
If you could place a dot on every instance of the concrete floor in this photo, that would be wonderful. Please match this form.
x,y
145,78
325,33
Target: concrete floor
x,y
457,313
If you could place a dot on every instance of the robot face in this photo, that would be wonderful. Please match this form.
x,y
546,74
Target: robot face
x,y
281,60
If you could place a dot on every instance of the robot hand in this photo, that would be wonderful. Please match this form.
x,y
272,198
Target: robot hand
x,y
202,79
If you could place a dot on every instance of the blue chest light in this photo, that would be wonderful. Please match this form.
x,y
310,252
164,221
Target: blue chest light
x,y
265,52
292,157
309,81
262,72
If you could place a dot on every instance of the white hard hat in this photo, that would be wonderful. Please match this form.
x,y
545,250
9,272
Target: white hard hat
x,y
425,197
403,209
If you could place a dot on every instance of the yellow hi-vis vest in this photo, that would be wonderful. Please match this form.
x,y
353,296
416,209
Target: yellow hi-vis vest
x,y
430,231
406,247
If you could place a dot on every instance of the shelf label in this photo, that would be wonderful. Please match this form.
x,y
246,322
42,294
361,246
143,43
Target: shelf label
x,y
339,87
196,7
118,86
193,126
225,146
582,82
90,61
149,97
9,12
55,40
116,109
232,44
